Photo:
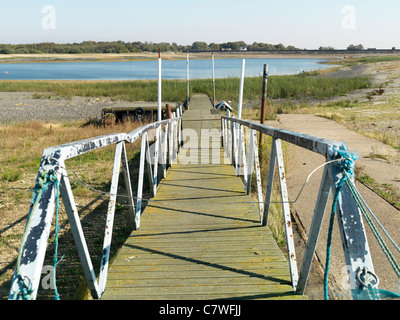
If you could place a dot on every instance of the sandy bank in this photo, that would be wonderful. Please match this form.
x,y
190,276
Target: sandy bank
x,y
14,58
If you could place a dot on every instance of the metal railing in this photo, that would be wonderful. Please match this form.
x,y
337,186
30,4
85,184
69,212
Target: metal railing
x,y
355,244
53,181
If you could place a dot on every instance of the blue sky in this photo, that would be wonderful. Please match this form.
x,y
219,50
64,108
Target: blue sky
x,y
302,23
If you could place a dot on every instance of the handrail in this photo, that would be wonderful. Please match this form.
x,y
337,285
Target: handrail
x,y
355,244
25,281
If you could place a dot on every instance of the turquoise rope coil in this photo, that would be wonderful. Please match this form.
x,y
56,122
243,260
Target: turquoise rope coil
x,y
347,170
346,167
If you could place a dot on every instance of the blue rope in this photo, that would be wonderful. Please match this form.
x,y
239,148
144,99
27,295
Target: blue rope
x,y
57,229
329,241
347,169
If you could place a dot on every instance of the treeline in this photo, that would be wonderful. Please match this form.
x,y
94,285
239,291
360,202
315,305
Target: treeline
x,y
135,47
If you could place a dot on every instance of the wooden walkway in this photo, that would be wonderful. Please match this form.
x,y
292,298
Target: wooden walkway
x,y
200,237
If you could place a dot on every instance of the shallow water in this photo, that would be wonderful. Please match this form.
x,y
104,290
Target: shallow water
x,y
147,70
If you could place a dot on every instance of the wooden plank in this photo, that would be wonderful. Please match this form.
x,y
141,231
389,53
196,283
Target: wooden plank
x,y
200,238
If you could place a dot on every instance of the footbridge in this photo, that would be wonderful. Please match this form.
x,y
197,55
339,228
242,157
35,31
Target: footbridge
x,y
204,234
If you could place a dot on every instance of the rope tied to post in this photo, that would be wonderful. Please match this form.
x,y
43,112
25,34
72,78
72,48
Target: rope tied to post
x,y
346,166
371,292
46,179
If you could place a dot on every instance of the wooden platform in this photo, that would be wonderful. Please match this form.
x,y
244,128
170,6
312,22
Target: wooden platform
x,y
200,237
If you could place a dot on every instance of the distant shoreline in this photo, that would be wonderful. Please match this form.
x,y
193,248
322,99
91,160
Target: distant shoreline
x,y
145,56
109,57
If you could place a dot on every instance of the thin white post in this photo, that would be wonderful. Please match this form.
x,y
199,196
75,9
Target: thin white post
x,y
159,87
187,77
213,79
241,90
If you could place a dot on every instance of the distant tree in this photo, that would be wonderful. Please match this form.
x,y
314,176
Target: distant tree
x,y
125,47
352,47
199,46
7,50
214,46
280,46
326,48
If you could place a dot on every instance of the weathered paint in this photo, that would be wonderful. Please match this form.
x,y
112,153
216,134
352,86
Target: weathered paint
x,y
314,144
286,214
110,217
355,244
34,244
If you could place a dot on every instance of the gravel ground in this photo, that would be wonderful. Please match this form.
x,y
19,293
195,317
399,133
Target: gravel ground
x,y
24,106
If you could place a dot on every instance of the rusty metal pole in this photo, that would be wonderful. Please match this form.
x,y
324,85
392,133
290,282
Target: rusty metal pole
x,y
169,112
263,102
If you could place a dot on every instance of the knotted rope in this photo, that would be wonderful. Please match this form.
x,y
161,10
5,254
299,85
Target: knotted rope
x,y
346,167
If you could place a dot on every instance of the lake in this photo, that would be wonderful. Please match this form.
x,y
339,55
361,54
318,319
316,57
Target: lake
x,y
147,70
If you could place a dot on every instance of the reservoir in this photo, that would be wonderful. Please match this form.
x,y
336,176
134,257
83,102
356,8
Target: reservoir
x,y
148,70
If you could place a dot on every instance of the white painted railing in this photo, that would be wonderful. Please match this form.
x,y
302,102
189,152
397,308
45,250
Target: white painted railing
x,y
355,244
54,176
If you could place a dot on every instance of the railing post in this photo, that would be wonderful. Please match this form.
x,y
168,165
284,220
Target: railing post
x,y
223,143
355,243
230,142
31,258
250,162
286,214
243,156
165,150
128,184
270,181
110,217
140,181
149,160
232,145
254,164
315,229
258,174
77,232
170,143
155,166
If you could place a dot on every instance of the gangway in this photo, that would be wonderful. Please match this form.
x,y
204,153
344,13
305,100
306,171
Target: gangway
x,y
201,235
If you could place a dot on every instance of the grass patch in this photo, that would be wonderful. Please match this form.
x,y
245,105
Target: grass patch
x,y
279,87
370,59
21,148
386,191
11,175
